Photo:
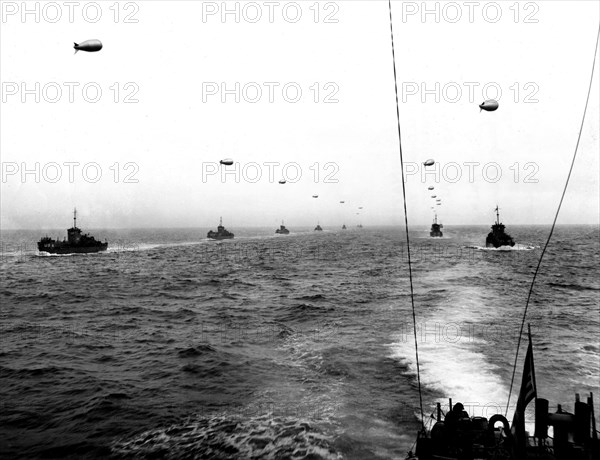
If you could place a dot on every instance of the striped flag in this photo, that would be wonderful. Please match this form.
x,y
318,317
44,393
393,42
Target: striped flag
x,y
526,395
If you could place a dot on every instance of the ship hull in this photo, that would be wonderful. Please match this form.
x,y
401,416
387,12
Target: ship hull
x,y
285,232
220,234
435,231
73,249
493,241
220,237
498,237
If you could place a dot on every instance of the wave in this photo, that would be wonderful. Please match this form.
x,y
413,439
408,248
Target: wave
x,y
230,437
195,351
576,287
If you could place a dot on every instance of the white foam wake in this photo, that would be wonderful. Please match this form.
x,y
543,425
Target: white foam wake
x,y
516,247
450,356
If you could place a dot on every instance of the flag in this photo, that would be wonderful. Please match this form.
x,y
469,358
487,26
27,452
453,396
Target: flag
x,y
526,395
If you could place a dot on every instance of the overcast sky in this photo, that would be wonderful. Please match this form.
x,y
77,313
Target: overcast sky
x,y
175,58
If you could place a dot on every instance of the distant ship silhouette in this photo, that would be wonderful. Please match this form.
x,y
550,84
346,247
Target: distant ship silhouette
x,y
282,230
435,229
221,233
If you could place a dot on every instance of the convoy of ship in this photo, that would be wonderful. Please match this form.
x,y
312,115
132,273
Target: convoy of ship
x,y
456,436
78,243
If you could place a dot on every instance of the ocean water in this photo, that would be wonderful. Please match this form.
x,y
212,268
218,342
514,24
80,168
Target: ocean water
x,y
297,346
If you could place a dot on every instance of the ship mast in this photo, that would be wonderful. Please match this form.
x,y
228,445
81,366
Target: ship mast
x,y
497,216
74,217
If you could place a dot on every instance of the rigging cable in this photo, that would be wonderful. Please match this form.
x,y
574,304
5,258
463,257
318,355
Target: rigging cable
x,y
412,299
554,222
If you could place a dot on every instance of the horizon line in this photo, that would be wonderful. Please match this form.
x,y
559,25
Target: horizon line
x,y
309,225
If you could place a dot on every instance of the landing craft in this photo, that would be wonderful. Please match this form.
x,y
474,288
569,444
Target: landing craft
x,y
489,106
315,196
88,45
430,188
429,163
282,181
226,162
342,202
360,207
433,196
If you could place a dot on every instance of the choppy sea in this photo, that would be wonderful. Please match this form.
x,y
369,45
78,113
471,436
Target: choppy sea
x,y
272,346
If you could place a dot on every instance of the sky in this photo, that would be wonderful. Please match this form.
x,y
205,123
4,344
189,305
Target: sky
x,y
315,97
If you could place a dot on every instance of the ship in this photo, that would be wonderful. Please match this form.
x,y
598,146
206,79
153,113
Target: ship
x,y
459,436
76,242
359,226
344,227
318,228
435,229
221,233
282,230
497,237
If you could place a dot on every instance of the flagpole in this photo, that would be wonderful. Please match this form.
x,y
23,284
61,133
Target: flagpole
x,y
533,375
532,365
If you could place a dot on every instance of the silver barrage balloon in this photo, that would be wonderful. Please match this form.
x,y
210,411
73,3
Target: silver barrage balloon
x,y
489,106
88,45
